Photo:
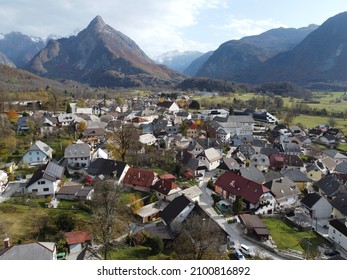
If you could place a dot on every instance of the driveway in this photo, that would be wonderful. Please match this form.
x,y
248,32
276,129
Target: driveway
x,y
234,230
10,190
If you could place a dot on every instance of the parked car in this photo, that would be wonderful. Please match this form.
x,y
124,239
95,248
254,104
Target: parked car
x,y
331,252
247,250
231,243
239,255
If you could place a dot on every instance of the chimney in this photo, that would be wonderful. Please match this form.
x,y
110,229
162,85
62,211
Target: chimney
x,y
7,242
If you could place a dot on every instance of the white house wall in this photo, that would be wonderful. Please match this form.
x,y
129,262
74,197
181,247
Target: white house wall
x,y
337,237
39,186
35,157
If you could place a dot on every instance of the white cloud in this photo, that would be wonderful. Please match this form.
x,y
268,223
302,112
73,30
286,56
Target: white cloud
x,y
240,27
155,25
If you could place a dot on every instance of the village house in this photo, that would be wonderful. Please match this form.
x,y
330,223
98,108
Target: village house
x,y
46,180
286,192
210,158
176,212
147,139
317,207
166,189
339,204
338,232
334,155
108,168
314,171
65,119
260,162
140,179
192,130
39,153
298,177
256,197
77,240
78,155
74,191
29,251
330,186
170,106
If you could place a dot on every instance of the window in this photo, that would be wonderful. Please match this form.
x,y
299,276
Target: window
x,y
37,158
34,190
30,153
37,153
45,189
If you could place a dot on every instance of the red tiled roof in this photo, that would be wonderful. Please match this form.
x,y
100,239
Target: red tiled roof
x,y
139,177
193,126
167,177
77,237
164,186
238,185
188,175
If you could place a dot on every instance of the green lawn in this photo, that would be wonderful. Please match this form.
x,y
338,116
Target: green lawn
x,y
20,222
286,237
136,253
312,121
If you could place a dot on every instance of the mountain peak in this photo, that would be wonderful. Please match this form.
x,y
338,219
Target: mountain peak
x,y
97,23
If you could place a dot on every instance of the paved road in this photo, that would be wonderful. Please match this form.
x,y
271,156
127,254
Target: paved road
x,y
10,190
234,230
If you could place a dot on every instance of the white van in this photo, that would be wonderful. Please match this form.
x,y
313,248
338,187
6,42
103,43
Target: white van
x,y
247,251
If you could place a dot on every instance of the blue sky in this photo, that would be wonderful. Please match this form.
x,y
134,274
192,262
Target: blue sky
x,y
159,26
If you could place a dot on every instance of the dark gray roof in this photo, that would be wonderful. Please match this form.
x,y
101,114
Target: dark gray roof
x,y
253,174
310,199
340,203
293,160
69,189
341,168
229,164
312,166
106,167
333,154
272,175
258,143
77,150
339,225
50,171
268,151
174,209
84,192
292,148
295,175
329,185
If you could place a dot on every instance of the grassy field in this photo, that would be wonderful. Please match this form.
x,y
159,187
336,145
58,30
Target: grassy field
x,y
136,253
312,121
20,222
286,237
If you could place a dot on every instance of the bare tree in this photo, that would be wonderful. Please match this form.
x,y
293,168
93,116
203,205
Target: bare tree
x,y
122,141
107,216
199,237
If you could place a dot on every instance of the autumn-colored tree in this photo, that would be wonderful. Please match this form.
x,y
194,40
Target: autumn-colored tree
x,y
8,143
12,115
81,126
135,203
81,103
122,140
184,128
